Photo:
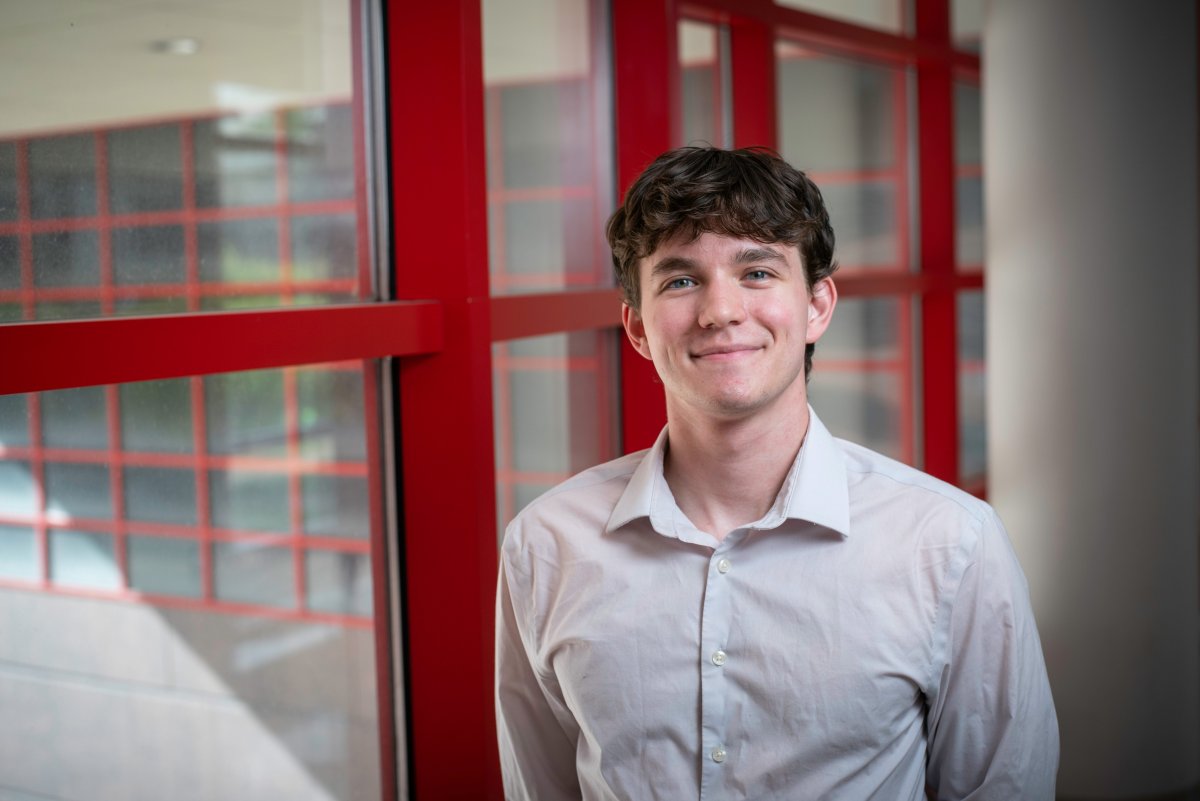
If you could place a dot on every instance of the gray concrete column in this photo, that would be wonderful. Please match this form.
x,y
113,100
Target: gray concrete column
x,y
1090,157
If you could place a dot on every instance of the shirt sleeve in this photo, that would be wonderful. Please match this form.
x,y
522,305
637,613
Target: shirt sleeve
x,y
993,734
537,751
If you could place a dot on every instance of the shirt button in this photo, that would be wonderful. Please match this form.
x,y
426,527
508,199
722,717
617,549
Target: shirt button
x,y
723,566
718,658
718,754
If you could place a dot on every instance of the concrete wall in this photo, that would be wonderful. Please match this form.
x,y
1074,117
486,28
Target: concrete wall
x,y
1091,195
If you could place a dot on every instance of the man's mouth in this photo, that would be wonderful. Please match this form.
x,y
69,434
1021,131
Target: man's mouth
x,y
724,352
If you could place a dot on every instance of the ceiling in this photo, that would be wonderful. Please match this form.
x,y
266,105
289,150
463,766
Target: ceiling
x,y
74,64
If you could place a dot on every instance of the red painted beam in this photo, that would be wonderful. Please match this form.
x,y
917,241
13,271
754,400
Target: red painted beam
x,y
76,353
752,53
939,341
517,316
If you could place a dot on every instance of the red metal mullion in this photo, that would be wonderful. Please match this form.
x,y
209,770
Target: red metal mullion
x,y
752,49
935,136
437,141
646,58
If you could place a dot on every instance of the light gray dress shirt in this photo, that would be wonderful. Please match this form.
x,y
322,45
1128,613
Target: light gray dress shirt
x,y
871,633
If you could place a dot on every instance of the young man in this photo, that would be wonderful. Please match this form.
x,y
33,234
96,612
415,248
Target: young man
x,y
752,608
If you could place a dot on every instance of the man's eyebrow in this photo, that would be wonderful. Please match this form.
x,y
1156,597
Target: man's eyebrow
x,y
672,264
755,255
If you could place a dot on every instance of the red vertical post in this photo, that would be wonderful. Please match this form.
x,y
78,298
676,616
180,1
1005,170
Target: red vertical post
x,y
939,341
646,66
439,241
752,53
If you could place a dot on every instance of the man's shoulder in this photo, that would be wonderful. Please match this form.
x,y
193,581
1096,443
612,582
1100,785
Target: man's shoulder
x,y
875,477
582,503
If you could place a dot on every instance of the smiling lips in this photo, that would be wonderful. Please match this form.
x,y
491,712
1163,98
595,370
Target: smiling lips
x,y
724,352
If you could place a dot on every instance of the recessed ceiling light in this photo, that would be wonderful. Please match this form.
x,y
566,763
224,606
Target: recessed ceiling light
x,y
176,46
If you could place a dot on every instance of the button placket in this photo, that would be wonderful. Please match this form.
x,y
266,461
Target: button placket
x,y
716,626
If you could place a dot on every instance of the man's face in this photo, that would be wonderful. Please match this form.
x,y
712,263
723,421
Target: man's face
x,y
726,322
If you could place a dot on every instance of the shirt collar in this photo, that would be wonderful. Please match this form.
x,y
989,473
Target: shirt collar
x,y
815,489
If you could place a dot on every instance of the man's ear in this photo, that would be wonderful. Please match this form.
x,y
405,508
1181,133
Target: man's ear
x,y
821,300
635,329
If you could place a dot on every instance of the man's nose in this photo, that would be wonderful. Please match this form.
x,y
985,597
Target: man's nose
x,y
721,304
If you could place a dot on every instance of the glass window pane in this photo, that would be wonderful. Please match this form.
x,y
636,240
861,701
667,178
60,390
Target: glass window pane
x,y
843,123
14,426
18,490
77,490
18,553
556,409
10,262
235,161
84,559
150,254
967,24
199,176
330,411
336,506
702,84
320,154
8,181
338,583
62,176
165,566
145,169
249,501
887,15
66,259
160,495
239,252
968,178
972,388
156,416
323,247
549,158
249,573
861,382
152,182
75,418
244,413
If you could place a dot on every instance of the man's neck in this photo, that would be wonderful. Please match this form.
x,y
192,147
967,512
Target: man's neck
x,y
725,474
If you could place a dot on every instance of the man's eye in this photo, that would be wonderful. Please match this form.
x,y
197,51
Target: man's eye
x,y
758,275
680,283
